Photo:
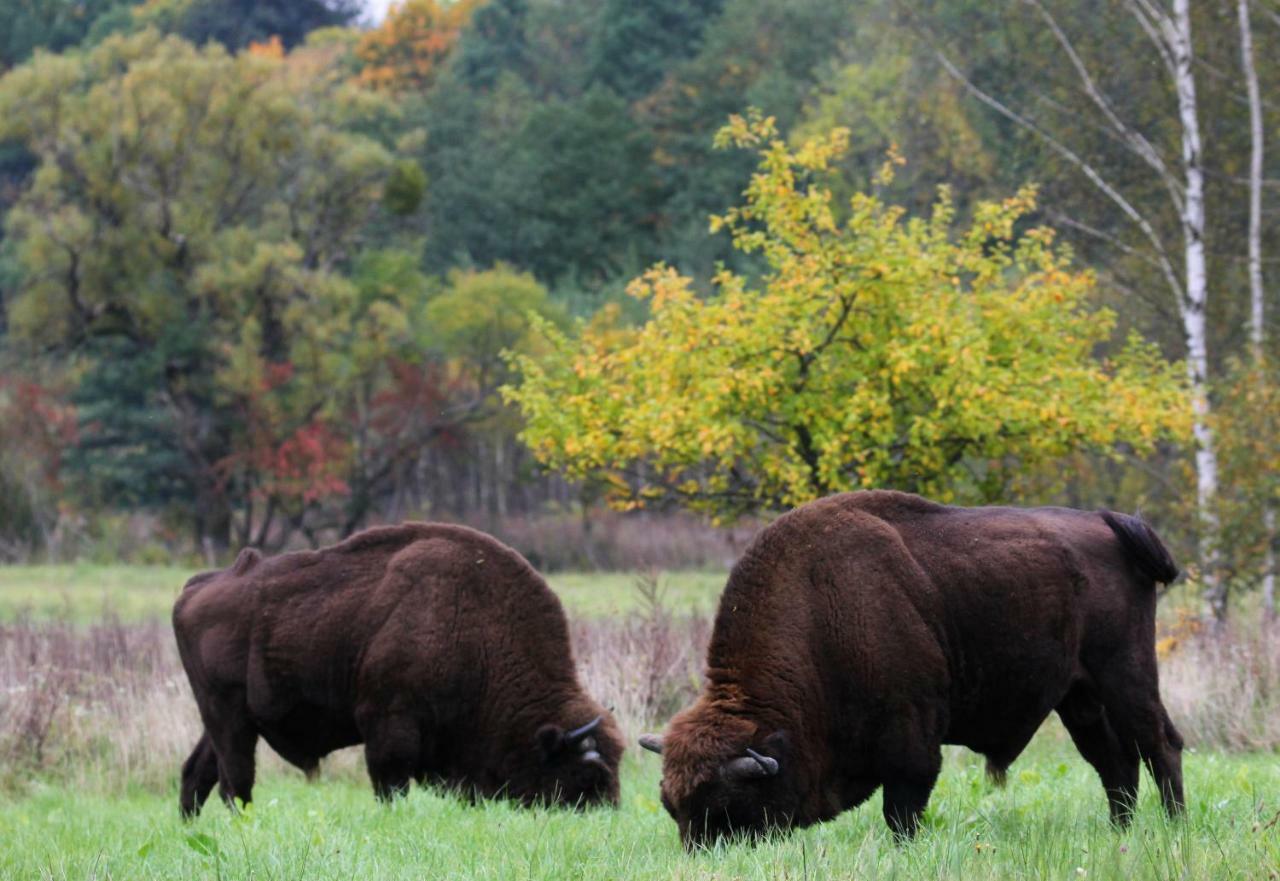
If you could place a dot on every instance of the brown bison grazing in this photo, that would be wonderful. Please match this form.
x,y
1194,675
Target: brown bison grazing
x,y
861,632
437,647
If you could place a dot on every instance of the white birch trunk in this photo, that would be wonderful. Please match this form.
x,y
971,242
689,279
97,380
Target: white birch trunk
x,y
1257,300
1171,37
1195,301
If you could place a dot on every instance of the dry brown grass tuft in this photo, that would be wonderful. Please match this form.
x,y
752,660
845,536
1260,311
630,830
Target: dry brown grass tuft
x,y
645,666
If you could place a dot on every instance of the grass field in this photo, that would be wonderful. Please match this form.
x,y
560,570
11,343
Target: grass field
x,y
84,592
1049,822
96,716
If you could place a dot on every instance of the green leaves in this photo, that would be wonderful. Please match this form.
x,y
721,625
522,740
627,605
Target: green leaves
x,y
878,351
205,845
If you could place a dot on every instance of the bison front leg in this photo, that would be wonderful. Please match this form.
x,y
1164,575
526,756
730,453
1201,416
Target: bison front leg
x,y
904,803
235,740
392,751
911,759
199,774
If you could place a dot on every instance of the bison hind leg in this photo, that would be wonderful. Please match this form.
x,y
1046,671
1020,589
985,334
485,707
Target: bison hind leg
x,y
199,774
1085,719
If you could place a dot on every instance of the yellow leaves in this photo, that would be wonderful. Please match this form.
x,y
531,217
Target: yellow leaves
x,y
883,351
892,160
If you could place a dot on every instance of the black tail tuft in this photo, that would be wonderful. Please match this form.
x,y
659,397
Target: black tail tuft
x,y
1142,546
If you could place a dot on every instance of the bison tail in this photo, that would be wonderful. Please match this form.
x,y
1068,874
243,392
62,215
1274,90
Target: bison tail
x,y
1142,546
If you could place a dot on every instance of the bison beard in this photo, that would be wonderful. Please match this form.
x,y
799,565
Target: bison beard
x,y
437,647
861,632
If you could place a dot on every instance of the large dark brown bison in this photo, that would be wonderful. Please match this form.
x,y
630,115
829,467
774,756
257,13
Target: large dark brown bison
x,y
861,632
437,647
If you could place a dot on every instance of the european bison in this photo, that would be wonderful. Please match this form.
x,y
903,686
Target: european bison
x,y
861,632
437,647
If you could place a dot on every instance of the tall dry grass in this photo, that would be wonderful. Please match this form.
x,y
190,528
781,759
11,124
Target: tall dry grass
x,y
1222,688
109,705
110,697
110,702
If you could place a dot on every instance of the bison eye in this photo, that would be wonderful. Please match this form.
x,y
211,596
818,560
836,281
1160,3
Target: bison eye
x,y
550,740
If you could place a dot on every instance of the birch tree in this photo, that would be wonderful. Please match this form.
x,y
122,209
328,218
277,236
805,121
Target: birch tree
x,y
1181,178
1257,300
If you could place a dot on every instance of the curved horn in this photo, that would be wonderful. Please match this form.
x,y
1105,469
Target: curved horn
x,y
578,733
652,742
750,767
769,764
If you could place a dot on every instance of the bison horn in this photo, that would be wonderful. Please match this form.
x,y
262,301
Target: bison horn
x,y
751,766
578,734
652,742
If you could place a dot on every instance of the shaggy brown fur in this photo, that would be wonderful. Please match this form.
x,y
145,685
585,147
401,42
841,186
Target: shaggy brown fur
x,y
861,632
437,647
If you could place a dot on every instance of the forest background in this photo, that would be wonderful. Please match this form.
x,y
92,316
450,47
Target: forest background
x,y
616,280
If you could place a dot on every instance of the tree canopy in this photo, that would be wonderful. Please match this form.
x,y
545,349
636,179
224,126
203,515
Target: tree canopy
x,y
876,351
187,229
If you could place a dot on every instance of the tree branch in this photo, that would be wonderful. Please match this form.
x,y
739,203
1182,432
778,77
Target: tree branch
x,y
1133,139
1114,195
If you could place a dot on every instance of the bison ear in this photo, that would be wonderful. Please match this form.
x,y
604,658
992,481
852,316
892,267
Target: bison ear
x,y
550,740
652,742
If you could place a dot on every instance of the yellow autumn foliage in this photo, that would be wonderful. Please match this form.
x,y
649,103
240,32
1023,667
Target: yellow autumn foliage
x,y
878,350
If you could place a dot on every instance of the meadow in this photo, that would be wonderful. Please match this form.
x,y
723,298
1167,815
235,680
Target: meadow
x,y
96,717
1049,822
85,592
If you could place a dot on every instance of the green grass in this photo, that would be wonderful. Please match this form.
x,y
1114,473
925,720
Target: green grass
x,y
82,592
1049,822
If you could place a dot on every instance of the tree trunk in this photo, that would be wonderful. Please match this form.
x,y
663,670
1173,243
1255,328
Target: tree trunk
x,y
1257,300
500,477
1195,301
213,522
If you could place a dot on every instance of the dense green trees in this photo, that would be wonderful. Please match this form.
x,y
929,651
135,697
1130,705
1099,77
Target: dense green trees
x,y
185,234
266,261
47,24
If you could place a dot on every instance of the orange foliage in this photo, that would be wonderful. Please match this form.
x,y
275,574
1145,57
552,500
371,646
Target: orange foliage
x,y
271,48
1171,635
405,52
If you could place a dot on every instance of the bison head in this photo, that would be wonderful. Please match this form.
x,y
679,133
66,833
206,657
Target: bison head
x,y
718,787
575,768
